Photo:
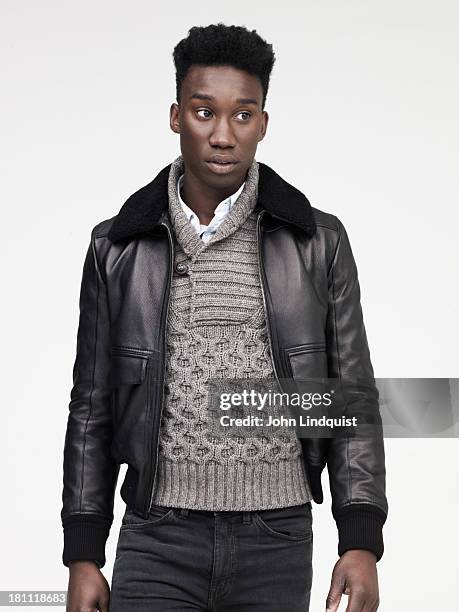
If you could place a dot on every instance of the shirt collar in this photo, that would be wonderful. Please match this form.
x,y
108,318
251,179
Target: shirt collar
x,y
222,208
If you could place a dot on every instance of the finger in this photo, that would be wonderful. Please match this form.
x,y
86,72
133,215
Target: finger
x,y
334,595
332,603
371,605
103,606
357,601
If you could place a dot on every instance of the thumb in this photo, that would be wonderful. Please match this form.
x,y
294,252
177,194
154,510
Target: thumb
x,y
334,594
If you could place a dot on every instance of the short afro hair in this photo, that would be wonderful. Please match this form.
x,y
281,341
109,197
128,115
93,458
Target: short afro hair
x,y
220,44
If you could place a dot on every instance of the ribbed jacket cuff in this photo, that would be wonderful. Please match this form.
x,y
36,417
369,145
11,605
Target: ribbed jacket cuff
x,y
85,536
360,526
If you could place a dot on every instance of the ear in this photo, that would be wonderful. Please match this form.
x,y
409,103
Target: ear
x,y
174,117
264,125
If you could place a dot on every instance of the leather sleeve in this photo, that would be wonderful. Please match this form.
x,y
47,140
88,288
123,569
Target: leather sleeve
x,y
356,465
89,472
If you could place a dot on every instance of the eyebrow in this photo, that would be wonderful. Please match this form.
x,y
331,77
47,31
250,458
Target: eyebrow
x,y
201,96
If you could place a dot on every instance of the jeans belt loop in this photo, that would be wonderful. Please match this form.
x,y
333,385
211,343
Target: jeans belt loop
x,y
184,512
246,517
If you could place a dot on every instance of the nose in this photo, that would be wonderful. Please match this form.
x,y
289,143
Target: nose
x,y
222,135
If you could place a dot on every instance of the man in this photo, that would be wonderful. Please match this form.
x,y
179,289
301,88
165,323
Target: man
x,y
216,269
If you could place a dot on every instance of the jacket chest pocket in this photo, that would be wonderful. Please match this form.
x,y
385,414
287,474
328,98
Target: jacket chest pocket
x,y
129,388
307,360
127,369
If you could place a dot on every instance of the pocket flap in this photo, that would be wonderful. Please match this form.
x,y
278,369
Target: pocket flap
x,y
127,369
307,360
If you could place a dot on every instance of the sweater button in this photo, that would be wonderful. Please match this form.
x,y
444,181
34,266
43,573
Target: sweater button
x,y
181,268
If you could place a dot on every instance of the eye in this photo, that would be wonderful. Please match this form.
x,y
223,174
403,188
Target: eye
x,y
204,110
245,113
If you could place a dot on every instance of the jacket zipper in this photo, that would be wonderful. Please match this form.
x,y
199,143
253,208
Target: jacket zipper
x,y
262,283
171,270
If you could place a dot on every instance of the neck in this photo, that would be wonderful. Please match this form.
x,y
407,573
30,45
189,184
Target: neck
x,y
186,235
203,199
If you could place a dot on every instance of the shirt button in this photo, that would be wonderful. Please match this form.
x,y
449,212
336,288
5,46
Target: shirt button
x,y
181,268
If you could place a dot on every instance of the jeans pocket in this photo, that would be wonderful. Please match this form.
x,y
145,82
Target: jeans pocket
x,y
292,523
157,515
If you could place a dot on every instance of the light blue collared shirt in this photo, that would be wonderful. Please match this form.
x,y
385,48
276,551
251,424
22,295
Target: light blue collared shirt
x,y
207,231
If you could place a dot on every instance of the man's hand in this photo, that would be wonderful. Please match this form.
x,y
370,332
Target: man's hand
x,y
355,575
88,589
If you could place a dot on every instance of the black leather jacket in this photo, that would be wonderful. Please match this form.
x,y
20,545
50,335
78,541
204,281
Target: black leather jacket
x,y
312,305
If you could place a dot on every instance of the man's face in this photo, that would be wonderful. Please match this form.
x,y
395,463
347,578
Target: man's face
x,y
219,118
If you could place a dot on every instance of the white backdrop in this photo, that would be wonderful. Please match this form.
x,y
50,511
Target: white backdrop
x,y
363,119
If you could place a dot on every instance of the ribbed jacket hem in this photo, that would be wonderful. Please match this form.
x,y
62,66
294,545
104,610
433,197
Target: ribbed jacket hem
x,y
360,527
214,486
85,537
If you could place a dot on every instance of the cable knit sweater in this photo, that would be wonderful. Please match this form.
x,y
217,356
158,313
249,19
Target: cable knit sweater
x,y
216,328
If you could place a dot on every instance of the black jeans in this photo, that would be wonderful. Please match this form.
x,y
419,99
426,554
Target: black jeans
x,y
182,560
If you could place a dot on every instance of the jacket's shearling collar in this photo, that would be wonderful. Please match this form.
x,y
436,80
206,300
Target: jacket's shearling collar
x,y
143,209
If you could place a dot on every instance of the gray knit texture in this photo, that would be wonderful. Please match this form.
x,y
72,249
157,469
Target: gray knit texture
x,y
216,328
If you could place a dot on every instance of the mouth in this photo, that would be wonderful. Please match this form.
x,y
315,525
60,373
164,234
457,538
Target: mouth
x,y
221,167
